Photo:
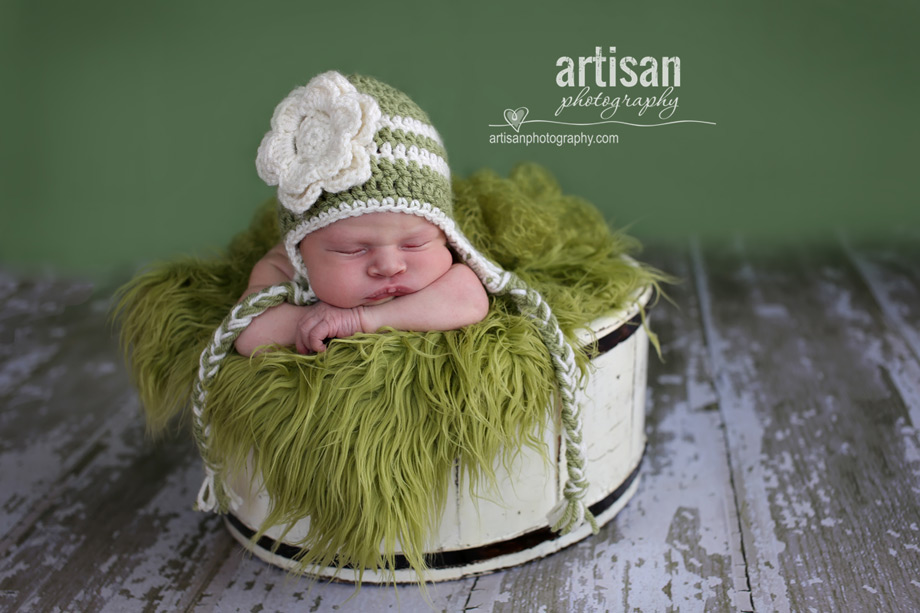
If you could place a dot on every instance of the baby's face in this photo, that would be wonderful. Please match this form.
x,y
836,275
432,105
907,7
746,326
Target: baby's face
x,y
373,258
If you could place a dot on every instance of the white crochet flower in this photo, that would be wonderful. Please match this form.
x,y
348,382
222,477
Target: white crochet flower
x,y
321,139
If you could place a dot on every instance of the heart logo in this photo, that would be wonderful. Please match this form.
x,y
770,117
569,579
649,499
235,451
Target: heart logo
x,y
516,117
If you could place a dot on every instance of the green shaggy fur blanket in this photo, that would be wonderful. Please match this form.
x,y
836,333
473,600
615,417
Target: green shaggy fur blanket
x,y
363,437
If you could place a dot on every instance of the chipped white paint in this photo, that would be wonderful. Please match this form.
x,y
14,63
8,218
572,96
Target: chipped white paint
x,y
15,371
745,433
899,354
778,311
892,349
153,565
882,287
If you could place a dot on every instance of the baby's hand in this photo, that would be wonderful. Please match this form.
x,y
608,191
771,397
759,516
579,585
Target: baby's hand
x,y
322,321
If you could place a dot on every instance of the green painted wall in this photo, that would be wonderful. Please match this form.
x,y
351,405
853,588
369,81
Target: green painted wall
x,y
129,129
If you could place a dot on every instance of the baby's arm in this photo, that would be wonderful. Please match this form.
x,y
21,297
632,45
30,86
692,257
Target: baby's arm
x,y
454,300
278,324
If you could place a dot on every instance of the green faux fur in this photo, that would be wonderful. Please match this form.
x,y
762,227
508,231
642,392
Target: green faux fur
x,y
363,438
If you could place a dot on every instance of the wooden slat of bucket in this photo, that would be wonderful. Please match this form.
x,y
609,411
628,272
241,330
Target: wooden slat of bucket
x,y
525,493
638,438
448,531
610,419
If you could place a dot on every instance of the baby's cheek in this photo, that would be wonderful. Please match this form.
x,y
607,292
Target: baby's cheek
x,y
444,261
333,284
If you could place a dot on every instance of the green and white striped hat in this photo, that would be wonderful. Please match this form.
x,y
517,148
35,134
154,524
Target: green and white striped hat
x,y
341,147
346,146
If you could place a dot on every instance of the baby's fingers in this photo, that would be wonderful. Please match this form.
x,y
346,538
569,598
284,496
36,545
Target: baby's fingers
x,y
301,346
306,341
316,335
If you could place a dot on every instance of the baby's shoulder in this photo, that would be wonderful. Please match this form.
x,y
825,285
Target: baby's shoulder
x,y
276,261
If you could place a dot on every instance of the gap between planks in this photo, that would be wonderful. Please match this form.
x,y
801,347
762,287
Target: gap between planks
x,y
740,569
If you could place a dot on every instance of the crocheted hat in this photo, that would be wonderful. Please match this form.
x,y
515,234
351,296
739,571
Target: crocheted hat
x,y
342,147
346,146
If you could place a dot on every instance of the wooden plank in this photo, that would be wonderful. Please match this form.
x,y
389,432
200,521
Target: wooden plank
x,y
58,379
89,505
892,274
828,488
248,584
671,547
119,533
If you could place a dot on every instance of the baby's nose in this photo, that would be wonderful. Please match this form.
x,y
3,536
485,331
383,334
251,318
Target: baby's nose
x,y
387,263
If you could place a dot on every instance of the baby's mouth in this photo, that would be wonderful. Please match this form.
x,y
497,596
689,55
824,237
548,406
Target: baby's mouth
x,y
388,293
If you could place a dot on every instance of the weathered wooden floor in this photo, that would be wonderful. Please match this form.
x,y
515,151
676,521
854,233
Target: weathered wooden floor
x,y
782,473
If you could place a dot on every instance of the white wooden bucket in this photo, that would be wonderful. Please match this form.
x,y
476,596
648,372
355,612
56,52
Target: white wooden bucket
x,y
483,534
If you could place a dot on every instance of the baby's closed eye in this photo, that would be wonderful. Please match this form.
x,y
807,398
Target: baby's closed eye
x,y
349,250
415,245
